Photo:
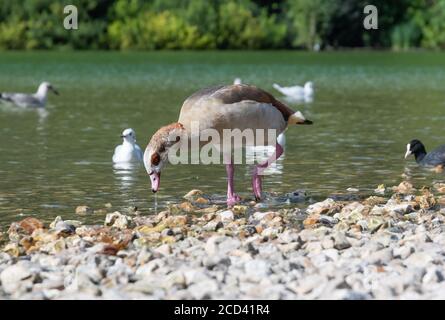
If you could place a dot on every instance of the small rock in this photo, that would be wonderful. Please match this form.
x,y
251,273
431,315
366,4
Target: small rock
x,y
13,249
404,187
382,256
378,211
380,189
340,241
213,226
239,209
164,249
263,215
374,223
256,270
311,220
327,243
328,220
433,275
426,201
201,200
374,200
193,194
328,207
402,208
418,259
226,215
25,226
403,251
187,207
12,277
117,220
84,210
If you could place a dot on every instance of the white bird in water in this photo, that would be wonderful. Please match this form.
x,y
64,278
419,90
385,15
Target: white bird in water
x,y
297,92
128,151
237,81
25,100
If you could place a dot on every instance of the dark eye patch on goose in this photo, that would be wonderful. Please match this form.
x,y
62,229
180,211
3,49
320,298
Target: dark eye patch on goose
x,y
161,148
155,159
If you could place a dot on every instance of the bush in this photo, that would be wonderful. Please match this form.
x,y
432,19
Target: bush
x,y
220,24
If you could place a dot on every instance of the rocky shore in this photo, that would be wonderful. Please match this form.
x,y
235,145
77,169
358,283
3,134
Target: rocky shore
x,y
390,245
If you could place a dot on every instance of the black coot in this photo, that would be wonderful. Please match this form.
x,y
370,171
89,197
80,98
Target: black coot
x,y
434,158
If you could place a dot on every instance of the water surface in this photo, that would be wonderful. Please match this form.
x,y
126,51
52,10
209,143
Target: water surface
x,y
367,107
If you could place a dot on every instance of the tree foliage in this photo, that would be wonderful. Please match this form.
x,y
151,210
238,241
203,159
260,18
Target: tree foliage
x,y
221,24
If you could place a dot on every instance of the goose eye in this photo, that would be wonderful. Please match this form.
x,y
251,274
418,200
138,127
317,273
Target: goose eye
x,y
161,148
155,159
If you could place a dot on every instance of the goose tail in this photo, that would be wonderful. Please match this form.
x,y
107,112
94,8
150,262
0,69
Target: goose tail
x,y
298,118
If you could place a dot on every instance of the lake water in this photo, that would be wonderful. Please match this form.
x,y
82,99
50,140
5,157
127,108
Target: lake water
x,y
367,107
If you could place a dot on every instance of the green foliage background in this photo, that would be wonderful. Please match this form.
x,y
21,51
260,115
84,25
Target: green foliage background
x,y
221,24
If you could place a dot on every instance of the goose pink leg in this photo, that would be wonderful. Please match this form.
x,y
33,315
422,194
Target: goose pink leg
x,y
232,198
257,172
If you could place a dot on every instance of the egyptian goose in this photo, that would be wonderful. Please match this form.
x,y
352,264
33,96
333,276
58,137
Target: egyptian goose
x,y
297,91
24,100
432,159
128,151
234,107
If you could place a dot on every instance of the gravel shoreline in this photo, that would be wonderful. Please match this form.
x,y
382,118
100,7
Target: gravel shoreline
x,y
388,246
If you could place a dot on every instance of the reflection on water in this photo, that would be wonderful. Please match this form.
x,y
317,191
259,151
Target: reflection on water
x,y
366,108
260,154
298,99
125,174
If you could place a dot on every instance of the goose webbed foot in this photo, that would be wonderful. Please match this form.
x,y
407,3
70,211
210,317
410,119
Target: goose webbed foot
x,y
232,199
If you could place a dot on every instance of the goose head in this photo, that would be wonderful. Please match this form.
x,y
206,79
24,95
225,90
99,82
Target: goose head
x,y
157,151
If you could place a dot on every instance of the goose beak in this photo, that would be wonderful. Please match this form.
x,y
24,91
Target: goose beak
x,y
307,122
55,91
155,178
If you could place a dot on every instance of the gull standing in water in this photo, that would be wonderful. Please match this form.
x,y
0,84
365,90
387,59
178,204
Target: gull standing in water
x,y
128,151
24,100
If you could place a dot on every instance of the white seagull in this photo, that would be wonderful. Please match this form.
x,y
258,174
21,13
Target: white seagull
x,y
128,151
297,91
24,100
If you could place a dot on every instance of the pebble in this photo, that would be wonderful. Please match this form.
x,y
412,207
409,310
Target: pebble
x,y
84,210
340,241
12,277
226,215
